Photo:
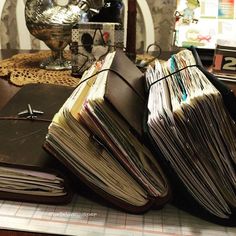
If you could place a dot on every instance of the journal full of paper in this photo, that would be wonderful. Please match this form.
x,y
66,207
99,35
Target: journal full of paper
x,y
190,124
16,180
92,139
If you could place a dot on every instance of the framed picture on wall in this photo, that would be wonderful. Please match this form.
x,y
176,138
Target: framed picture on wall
x,y
201,23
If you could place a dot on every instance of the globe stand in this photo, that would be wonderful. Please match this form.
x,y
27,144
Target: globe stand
x,y
56,61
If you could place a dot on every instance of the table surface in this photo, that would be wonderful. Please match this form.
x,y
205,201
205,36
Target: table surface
x,y
7,90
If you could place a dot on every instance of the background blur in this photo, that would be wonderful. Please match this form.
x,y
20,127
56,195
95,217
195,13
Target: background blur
x,y
158,24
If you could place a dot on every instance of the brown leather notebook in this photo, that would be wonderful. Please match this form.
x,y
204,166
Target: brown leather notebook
x,y
91,136
27,171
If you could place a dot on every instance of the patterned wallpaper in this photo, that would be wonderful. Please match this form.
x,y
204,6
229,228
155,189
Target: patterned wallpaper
x,y
8,35
162,14
163,18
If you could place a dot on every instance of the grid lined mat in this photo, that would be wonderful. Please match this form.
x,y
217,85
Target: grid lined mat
x,y
86,218
24,68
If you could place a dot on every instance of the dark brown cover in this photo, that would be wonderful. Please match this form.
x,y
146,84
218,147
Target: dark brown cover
x,y
125,90
22,140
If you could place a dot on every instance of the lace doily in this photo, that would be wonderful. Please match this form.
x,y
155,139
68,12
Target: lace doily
x,y
24,69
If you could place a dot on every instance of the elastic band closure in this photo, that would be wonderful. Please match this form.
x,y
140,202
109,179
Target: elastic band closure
x,y
25,118
122,78
165,77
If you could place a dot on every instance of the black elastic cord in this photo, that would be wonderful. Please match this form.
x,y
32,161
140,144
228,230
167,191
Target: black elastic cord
x,y
177,71
24,118
102,44
46,120
117,73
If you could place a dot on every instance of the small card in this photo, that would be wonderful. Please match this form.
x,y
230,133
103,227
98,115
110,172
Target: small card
x,y
91,42
224,65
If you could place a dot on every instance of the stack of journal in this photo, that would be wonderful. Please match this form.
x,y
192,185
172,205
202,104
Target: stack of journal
x,y
142,148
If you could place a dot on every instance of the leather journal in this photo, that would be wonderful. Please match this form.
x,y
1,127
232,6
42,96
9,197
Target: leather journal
x,y
190,122
140,141
27,171
91,137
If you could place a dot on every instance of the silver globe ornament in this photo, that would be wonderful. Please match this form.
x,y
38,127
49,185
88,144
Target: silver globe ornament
x,y
51,21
